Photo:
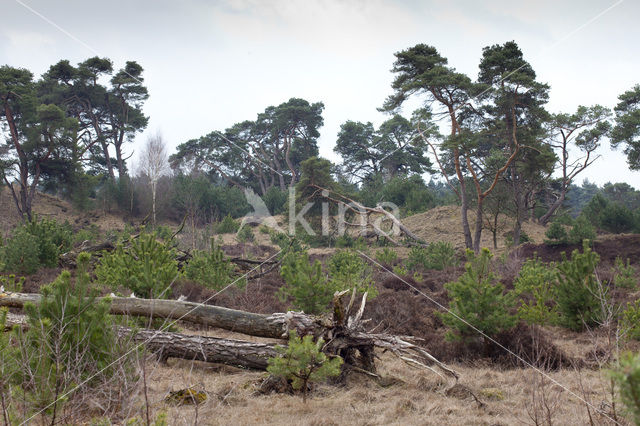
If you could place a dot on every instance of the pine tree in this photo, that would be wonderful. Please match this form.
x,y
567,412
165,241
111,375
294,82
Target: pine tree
x,y
303,362
577,289
306,285
478,301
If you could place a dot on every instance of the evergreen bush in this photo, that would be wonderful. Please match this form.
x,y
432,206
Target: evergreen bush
x,y
70,343
22,253
438,255
11,283
306,286
576,291
245,234
387,257
626,375
348,270
478,301
211,268
227,226
630,320
275,200
624,274
303,362
617,218
36,243
146,267
534,286
556,234
581,231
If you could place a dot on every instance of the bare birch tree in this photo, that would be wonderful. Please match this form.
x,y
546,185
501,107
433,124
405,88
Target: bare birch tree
x,y
154,164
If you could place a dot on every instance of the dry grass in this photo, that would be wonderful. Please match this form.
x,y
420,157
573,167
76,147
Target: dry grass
x,y
444,224
46,205
414,397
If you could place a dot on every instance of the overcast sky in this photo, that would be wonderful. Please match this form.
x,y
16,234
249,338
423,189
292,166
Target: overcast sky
x,y
210,64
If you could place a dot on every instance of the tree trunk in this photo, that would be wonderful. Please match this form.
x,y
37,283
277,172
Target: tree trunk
x,y
464,209
153,203
476,242
260,325
166,345
344,334
236,353
544,219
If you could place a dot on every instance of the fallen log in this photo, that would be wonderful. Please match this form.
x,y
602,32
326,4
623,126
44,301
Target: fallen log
x,y
236,353
274,326
165,345
344,333
68,259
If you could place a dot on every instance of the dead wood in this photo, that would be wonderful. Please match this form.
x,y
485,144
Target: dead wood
x,y
260,325
165,345
367,212
236,353
344,333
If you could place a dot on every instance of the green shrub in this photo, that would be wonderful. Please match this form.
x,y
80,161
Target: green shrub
x,y
576,291
347,241
70,343
387,257
524,238
53,239
347,270
11,283
306,286
74,316
92,234
10,370
146,266
317,240
286,243
478,301
227,226
275,200
400,270
534,285
556,234
303,362
211,268
438,255
617,219
581,231
594,208
418,258
245,234
409,193
564,219
264,230
36,243
624,275
441,255
630,320
22,253
627,376
163,232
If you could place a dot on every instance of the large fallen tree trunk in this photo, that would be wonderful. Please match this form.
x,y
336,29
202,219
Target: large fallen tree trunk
x,y
260,325
237,353
165,345
344,333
